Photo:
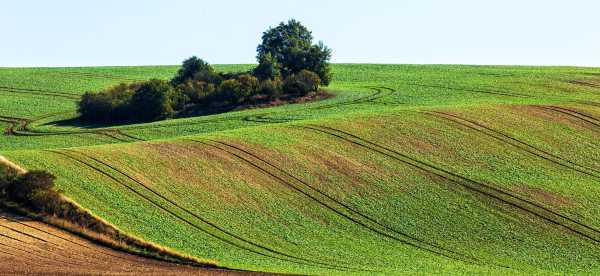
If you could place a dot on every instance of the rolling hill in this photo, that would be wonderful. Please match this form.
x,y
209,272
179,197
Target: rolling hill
x,y
408,169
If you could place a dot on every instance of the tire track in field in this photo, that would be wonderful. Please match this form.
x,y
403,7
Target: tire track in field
x,y
521,145
39,92
378,94
348,213
473,90
20,127
584,83
580,229
589,119
246,244
94,76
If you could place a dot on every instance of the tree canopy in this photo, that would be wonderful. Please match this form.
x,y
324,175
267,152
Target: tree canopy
x,y
290,45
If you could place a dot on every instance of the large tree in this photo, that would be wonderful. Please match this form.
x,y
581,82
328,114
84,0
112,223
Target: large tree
x,y
291,46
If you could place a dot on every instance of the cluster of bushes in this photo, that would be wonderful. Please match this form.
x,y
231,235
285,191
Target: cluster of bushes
x,y
290,66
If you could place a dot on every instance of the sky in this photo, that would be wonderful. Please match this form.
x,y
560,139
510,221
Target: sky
x,y
161,32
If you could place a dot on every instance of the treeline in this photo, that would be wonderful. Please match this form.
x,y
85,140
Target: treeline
x,y
290,66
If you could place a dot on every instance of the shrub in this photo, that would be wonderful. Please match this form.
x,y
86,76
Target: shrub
x,y
190,68
25,186
109,105
230,91
249,85
153,100
271,88
301,83
196,91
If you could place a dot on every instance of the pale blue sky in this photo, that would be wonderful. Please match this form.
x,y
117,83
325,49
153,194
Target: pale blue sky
x,y
137,32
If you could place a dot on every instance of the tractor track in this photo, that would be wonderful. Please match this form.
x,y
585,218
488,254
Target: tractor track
x,y
39,92
481,91
584,83
589,119
521,145
582,230
350,213
20,127
378,94
271,252
94,76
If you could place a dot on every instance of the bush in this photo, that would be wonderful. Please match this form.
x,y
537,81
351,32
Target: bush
x,y
108,106
35,190
271,88
189,69
249,85
301,83
153,100
229,91
196,91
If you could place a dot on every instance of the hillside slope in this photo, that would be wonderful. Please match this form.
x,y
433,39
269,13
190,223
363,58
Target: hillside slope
x,y
30,247
409,169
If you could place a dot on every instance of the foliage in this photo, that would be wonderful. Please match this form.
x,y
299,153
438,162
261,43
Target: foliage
x,y
289,47
268,68
153,100
192,68
302,83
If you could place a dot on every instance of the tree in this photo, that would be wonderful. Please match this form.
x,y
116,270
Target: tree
x,y
268,68
190,68
290,45
153,100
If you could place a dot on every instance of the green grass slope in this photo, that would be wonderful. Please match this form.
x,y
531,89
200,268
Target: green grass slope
x,y
409,169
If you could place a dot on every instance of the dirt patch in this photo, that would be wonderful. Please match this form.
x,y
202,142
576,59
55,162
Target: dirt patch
x,y
546,197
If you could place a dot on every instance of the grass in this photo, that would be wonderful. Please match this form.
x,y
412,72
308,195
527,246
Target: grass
x,y
409,169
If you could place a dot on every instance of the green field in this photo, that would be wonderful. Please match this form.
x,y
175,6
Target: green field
x,y
408,169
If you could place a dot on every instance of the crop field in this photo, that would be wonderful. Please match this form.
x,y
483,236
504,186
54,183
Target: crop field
x,y
407,169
